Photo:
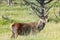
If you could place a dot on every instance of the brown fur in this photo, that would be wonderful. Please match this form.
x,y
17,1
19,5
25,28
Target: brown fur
x,y
21,28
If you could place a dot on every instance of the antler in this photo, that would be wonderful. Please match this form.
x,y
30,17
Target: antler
x,y
46,2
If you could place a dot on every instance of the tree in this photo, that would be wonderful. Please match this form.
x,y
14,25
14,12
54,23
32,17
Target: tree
x,y
9,2
0,1
40,9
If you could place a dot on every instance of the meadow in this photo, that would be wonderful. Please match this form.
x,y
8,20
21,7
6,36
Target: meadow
x,y
24,14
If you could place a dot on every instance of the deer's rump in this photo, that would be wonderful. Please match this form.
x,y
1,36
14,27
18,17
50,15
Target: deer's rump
x,y
22,28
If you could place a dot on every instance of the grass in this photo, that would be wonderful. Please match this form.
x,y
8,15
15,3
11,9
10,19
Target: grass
x,y
24,14
50,32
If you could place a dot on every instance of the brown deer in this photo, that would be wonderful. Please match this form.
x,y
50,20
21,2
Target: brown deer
x,y
22,28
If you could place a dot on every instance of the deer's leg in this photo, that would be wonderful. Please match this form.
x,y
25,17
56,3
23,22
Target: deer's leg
x,y
14,33
34,31
22,31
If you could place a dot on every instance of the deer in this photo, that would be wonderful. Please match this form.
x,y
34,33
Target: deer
x,y
21,28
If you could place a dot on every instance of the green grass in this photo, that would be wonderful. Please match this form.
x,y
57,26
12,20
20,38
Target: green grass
x,y
24,14
50,32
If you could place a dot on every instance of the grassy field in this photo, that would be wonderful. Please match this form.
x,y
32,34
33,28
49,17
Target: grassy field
x,y
50,32
24,14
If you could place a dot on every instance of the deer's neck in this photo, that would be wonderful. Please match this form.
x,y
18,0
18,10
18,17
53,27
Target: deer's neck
x,y
41,24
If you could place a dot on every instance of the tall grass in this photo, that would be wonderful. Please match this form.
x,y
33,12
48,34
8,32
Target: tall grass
x,y
24,14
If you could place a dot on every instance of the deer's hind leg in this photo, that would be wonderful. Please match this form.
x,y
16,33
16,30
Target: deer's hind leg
x,y
14,33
